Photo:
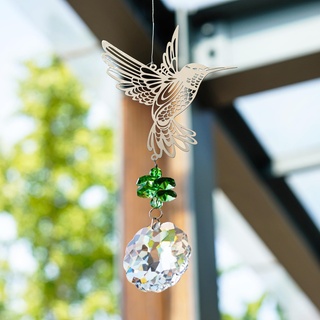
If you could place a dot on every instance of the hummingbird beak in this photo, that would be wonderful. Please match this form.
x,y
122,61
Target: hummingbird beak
x,y
216,69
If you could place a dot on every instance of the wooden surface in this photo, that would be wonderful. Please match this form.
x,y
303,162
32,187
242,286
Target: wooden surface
x,y
174,303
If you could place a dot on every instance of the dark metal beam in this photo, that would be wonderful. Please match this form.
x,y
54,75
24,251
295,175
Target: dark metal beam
x,y
240,9
203,185
222,91
164,19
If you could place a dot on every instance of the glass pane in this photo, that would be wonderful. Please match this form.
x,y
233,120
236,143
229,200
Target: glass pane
x,y
17,49
306,186
191,5
42,28
60,24
285,120
251,280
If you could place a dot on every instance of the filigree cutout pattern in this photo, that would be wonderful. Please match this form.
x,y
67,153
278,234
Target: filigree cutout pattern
x,y
167,89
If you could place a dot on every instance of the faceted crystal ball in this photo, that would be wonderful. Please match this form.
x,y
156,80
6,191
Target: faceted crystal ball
x,y
156,257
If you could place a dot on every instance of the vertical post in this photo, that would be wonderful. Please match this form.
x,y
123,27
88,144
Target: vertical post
x,y
182,19
174,303
136,162
203,219
206,304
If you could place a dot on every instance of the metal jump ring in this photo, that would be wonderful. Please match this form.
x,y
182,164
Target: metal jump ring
x,y
155,218
154,158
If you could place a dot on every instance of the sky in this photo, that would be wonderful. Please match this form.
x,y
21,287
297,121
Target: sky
x,y
49,28
16,49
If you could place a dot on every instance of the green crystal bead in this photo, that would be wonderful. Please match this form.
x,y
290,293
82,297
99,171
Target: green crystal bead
x,y
164,183
155,172
157,188
156,203
166,195
145,180
146,192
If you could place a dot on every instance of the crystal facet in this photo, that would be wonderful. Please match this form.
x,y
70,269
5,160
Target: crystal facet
x,y
145,180
156,257
146,192
164,183
156,172
166,195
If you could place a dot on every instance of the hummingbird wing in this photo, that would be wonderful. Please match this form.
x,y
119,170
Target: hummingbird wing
x,y
137,80
169,66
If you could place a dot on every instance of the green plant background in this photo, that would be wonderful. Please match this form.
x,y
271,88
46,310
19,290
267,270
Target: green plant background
x,y
42,180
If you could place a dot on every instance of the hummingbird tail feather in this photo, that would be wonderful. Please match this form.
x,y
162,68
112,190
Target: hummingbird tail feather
x,y
184,134
165,139
156,142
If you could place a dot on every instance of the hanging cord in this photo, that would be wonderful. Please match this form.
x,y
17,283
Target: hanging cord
x,y
152,39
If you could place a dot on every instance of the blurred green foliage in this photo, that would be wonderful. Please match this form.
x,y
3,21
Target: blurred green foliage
x,y
49,184
251,313
253,309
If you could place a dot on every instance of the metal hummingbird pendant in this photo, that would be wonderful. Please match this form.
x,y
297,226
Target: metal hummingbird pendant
x,y
167,89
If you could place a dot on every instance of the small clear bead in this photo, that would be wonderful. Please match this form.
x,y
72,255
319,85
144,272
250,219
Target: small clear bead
x,y
156,203
155,172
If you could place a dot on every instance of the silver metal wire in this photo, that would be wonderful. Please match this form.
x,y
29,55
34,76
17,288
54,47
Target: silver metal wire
x,y
152,38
